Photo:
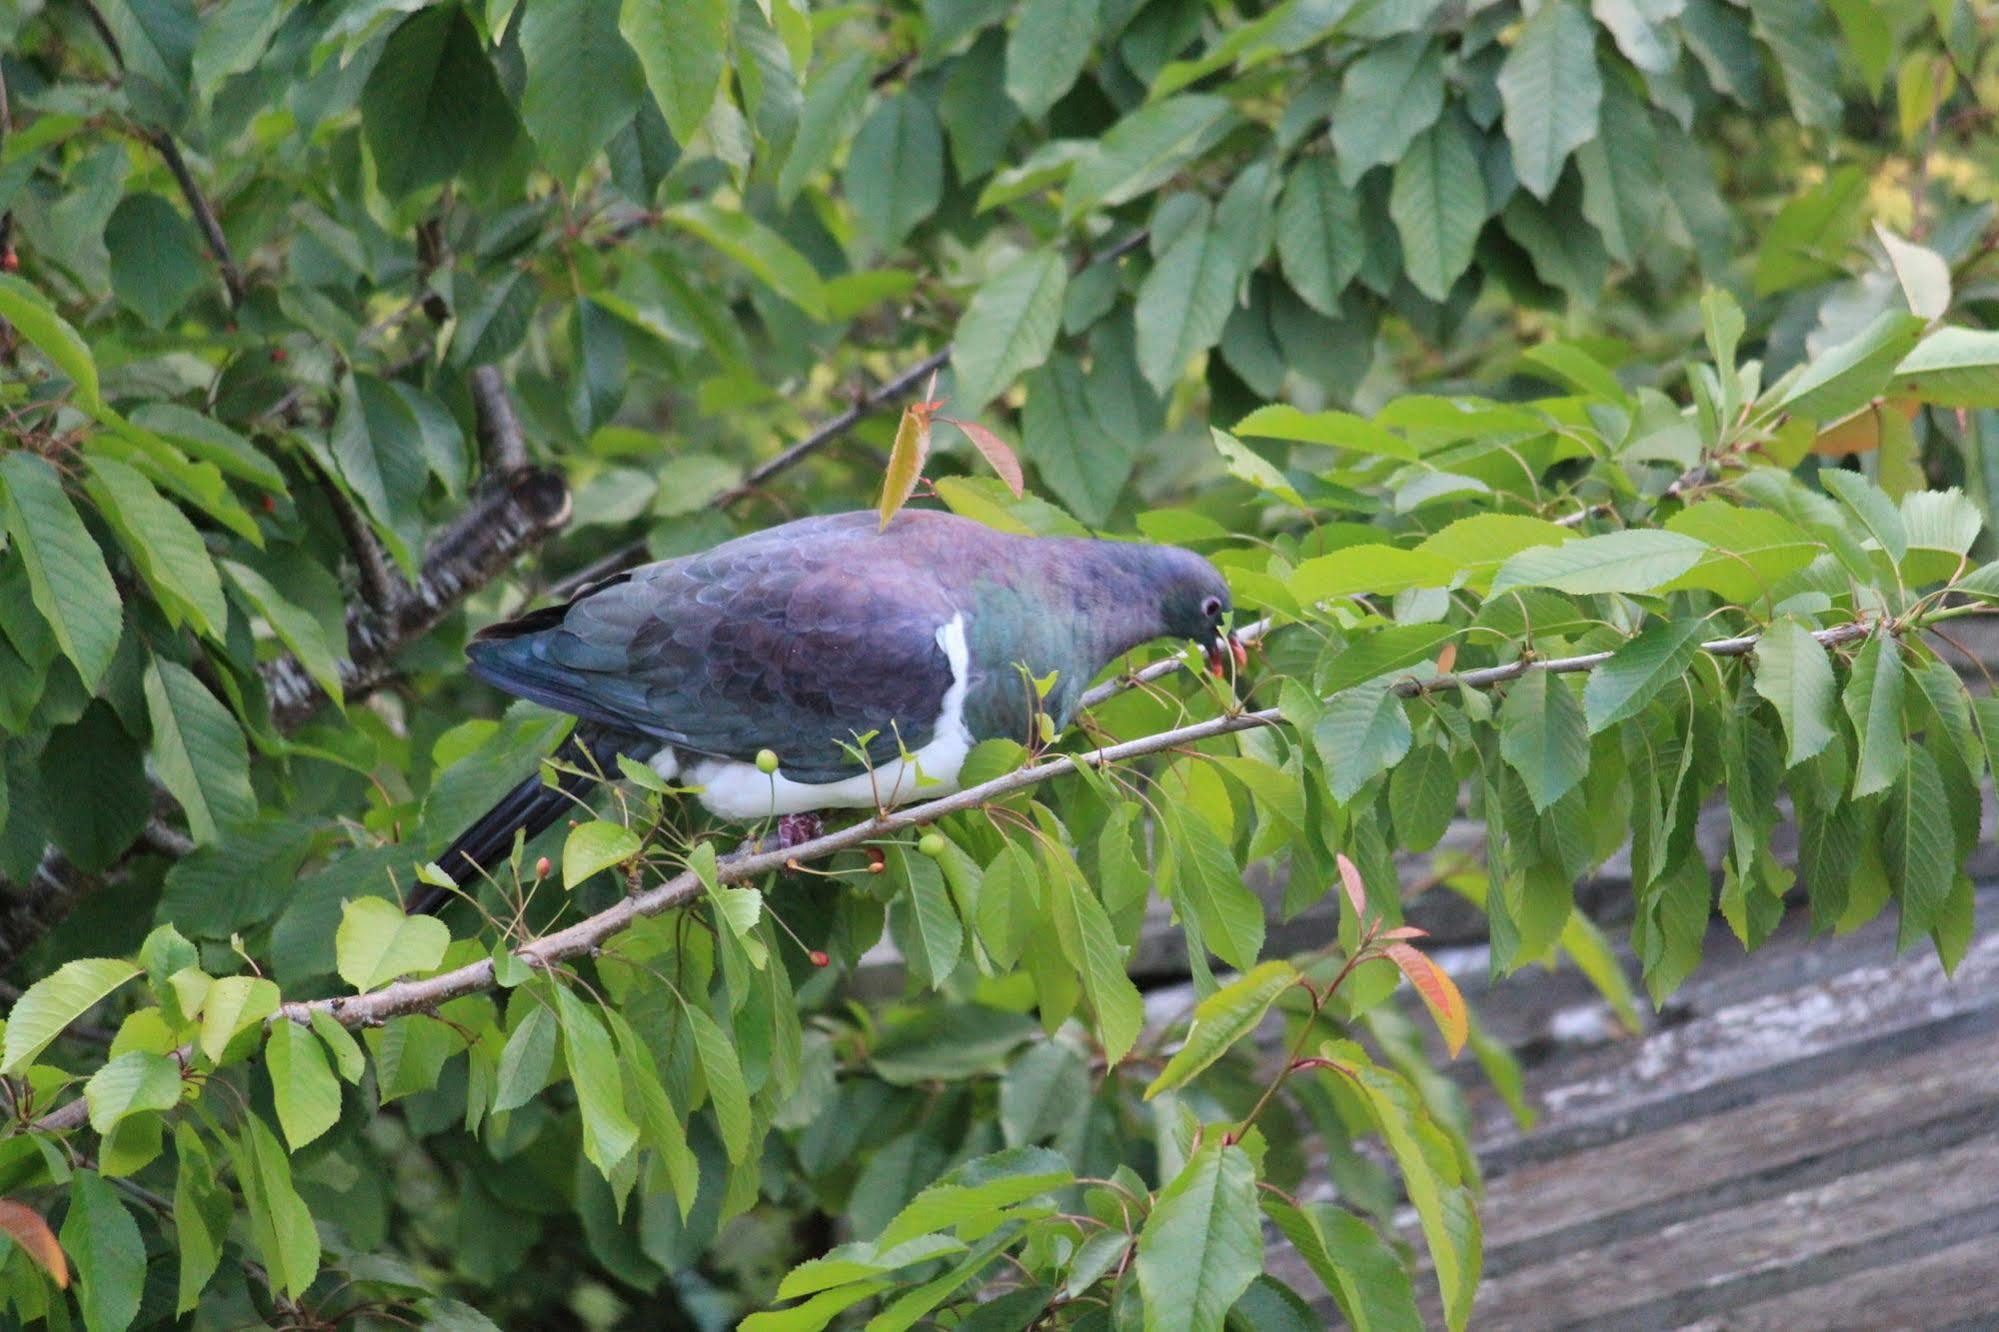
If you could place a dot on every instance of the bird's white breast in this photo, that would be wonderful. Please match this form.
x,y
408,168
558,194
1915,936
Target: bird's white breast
x,y
737,790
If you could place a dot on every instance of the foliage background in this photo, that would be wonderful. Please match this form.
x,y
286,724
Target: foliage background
x,y
259,252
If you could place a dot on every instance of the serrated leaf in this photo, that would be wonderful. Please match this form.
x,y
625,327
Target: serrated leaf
x,y
905,462
302,1085
1917,846
608,1132
1229,1015
165,547
724,1074
1636,561
1795,674
30,312
682,45
895,169
1088,941
1184,302
767,256
1543,734
1047,49
930,934
25,1226
526,1060
996,453
1551,91
1438,204
155,257
1636,672
55,1001
1363,732
1439,993
1384,570
104,1242
1320,244
1202,1244
198,750
67,577
977,1190
129,1083
1363,1275
595,846
1873,702
1142,151
1876,512
233,1005
1953,367
377,942
1008,328
1389,95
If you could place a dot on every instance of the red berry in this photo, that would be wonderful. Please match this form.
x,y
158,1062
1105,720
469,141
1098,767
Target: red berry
x,y
270,504
819,958
877,862
279,356
541,868
10,262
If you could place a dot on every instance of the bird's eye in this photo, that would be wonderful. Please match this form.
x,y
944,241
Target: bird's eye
x,y
1212,606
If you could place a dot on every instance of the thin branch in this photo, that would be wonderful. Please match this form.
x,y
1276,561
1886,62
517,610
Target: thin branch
x,y
204,215
866,405
588,936
500,443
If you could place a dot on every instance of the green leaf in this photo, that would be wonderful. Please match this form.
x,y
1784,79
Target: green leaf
x,y
1657,657
930,935
1952,367
608,1132
1206,877
1047,49
976,1191
376,442
1873,702
1391,94
155,257
1202,1244
280,1224
1917,846
1438,203
1384,570
1423,797
1184,301
683,47
302,1085
1082,462
347,1058
1229,1015
595,846
67,577
1320,244
432,103
1008,328
526,1060
1551,91
834,99
294,626
767,256
724,1073
198,750
1143,151
1801,36
55,1001
376,943
1084,931
1429,1176
582,81
30,312
235,1004
128,1084
1877,513
1794,673
163,545
1633,561
1362,1274
1543,734
1839,382
1363,732
895,170
103,1243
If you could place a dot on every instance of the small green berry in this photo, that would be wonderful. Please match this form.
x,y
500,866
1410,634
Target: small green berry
x,y
931,844
766,761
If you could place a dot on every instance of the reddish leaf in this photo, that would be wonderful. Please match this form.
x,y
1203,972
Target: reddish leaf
x,y
1447,658
1356,890
25,1227
1406,932
905,461
1439,991
995,452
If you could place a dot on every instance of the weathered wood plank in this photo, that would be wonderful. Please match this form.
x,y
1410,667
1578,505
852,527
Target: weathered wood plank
x,y
1933,1291
1792,1242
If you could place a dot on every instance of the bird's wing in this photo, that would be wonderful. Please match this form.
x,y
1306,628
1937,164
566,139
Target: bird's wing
x,y
755,645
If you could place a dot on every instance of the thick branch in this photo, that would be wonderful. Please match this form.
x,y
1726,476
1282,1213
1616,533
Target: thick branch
x,y
382,588
588,936
501,445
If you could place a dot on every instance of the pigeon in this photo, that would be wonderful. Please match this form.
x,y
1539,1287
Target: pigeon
x,y
867,660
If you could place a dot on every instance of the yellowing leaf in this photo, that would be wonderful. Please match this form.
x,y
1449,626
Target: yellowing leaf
x,y
1439,992
25,1227
905,461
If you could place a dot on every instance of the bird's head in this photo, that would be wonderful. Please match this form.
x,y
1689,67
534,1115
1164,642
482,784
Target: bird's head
x,y
1196,605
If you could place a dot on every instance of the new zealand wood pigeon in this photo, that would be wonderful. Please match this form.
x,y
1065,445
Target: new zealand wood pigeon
x,y
823,640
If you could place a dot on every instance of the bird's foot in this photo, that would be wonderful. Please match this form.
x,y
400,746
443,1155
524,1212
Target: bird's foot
x,y
798,829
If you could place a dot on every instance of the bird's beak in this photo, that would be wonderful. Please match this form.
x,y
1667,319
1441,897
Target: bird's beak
x,y
1221,649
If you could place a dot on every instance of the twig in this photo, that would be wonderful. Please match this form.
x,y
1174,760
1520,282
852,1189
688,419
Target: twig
x,y
588,936
500,443
204,215
866,405
382,588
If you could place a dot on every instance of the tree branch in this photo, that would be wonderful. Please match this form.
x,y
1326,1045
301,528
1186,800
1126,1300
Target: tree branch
x,y
382,588
866,405
589,935
204,216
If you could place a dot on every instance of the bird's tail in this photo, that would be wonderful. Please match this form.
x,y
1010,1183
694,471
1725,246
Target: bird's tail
x,y
529,809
